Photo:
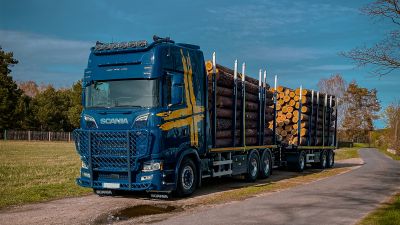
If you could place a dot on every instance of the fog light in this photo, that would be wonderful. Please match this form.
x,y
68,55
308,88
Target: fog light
x,y
144,178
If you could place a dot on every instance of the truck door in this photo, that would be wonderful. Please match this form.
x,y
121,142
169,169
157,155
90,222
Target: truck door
x,y
186,100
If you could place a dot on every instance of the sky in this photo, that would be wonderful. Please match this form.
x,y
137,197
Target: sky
x,y
299,41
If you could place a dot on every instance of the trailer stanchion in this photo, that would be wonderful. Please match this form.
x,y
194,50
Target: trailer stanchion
x,y
214,104
299,121
234,105
310,120
243,121
336,121
260,106
316,121
324,119
275,98
264,100
329,120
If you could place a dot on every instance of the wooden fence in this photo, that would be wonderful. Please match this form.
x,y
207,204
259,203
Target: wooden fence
x,y
24,135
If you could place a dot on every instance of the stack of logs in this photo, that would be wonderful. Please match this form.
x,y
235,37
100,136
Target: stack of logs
x,y
317,117
225,105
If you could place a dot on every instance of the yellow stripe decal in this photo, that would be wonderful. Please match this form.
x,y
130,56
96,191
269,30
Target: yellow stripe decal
x,y
191,112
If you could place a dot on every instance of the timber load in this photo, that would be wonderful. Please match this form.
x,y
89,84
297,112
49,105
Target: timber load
x,y
305,117
239,119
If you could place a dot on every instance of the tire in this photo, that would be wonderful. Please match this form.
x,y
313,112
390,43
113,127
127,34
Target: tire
x,y
253,166
187,178
330,159
265,164
301,162
322,160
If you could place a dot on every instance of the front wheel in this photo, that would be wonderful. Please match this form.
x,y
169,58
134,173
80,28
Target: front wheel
x,y
187,178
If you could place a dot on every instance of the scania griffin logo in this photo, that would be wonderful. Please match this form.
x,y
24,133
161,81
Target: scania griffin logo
x,y
114,121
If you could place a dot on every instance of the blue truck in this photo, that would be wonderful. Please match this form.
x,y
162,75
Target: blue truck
x,y
149,123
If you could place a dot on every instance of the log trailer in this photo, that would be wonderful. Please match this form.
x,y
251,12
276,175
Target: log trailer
x,y
158,118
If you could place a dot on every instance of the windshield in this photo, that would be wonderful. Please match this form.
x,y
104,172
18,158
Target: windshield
x,y
122,93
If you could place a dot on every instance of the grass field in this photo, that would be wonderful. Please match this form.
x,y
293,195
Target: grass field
x,y
37,171
388,214
347,153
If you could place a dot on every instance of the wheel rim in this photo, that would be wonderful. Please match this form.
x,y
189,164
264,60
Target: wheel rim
x,y
324,160
187,177
254,167
301,161
266,165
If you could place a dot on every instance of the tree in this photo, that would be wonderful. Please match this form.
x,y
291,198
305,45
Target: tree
x,y
9,91
50,108
30,88
362,109
385,55
335,85
392,117
74,112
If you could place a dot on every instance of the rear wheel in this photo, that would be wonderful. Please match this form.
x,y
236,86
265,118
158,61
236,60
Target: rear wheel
x,y
323,160
330,159
301,162
253,164
187,178
266,164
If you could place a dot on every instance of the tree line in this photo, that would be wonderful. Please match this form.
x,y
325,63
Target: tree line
x,y
29,106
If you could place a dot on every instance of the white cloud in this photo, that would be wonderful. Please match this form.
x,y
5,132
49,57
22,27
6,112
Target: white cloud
x,y
39,55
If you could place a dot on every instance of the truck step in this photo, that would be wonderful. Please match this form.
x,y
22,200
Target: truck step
x,y
222,173
224,162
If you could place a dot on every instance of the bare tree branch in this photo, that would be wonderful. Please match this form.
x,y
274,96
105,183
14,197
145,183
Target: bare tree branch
x,y
385,55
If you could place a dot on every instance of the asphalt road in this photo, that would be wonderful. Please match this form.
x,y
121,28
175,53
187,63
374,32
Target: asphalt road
x,y
342,199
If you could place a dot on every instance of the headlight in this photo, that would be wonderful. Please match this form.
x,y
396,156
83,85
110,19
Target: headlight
x,y
85,174
152,166
90,122
141,121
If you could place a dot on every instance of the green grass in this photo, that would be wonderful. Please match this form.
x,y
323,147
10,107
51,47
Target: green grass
x,y
347,153
393,156
361,145
388,214
37,171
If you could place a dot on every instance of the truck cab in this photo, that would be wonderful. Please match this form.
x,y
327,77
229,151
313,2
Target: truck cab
x,y
143,117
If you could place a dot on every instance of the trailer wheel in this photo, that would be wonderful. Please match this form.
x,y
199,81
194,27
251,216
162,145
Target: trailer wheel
x,y
301,162
323,160
266,164
253,164
330,159
187,178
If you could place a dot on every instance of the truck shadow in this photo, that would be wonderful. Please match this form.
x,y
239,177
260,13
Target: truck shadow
x,y
215,185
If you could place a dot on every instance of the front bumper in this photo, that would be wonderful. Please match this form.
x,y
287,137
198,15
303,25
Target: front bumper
x,y
143,181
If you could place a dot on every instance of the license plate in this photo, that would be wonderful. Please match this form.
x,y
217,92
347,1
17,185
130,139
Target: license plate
x,y
111,185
